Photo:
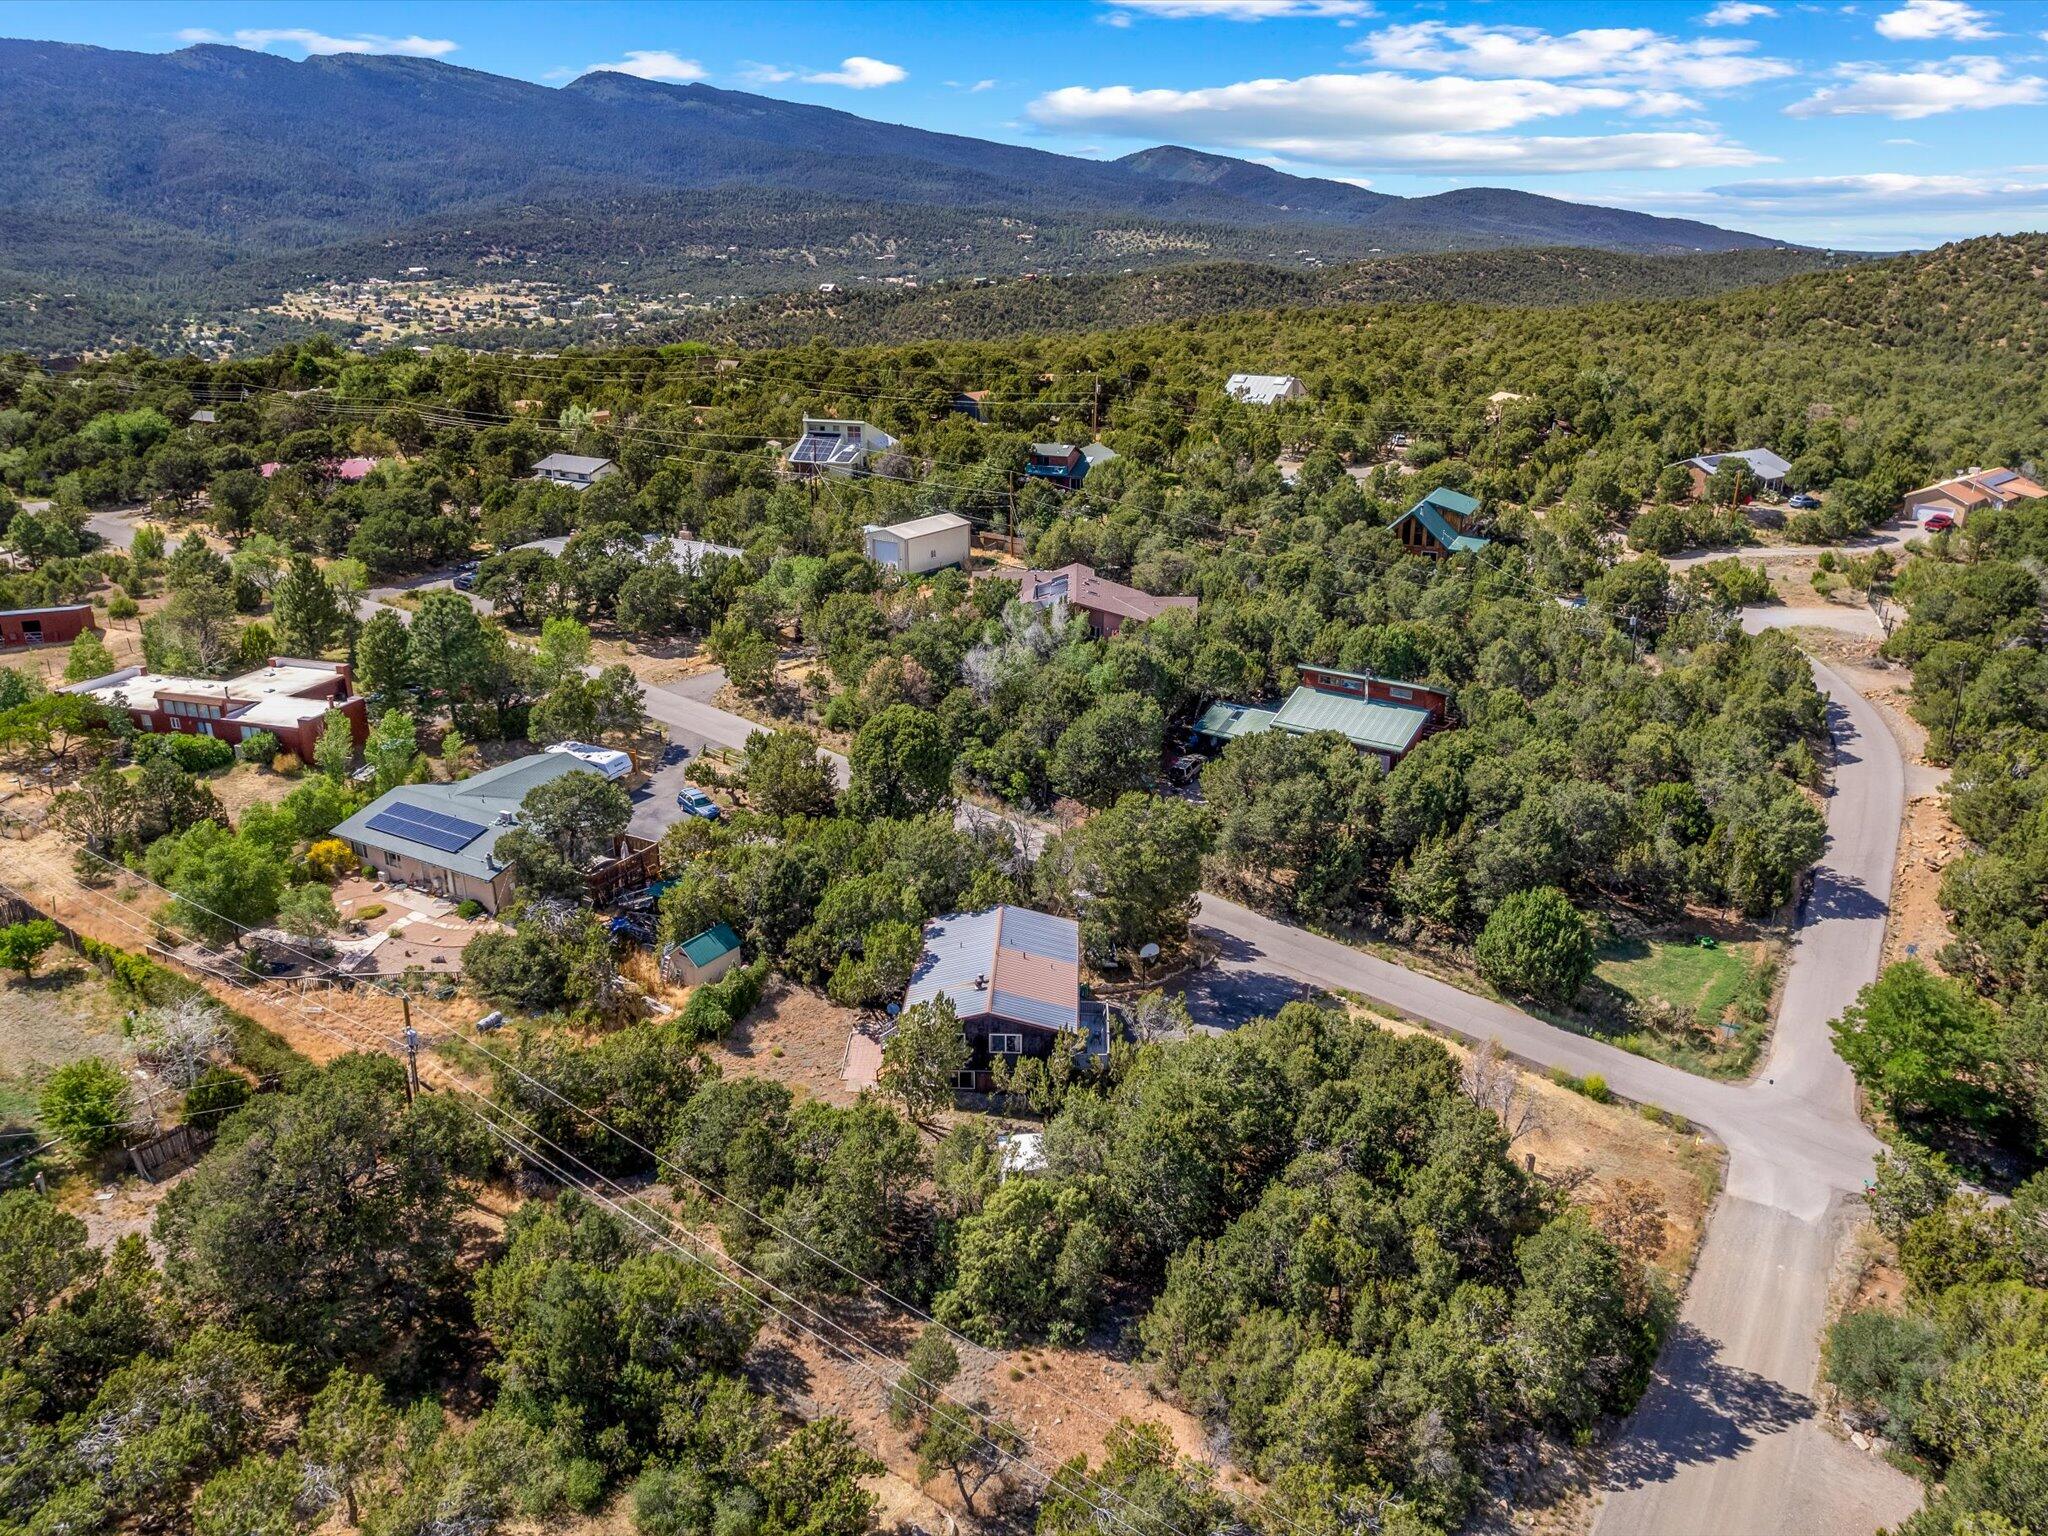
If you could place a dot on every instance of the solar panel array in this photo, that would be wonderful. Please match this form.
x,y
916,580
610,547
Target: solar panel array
x,y
433,828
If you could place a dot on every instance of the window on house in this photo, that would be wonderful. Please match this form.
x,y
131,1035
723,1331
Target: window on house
x,y
964,1079
1401,693
1006,1045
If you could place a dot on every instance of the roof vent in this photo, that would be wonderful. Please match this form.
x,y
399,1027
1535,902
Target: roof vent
x,y
981,983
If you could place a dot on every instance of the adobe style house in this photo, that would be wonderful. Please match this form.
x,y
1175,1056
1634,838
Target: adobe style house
x,y
45,626
1014,977
1760,465
1435,525
835,446
1264,388
443,836
920,545
289,698
1377,715
1974,490
1108,605
574,471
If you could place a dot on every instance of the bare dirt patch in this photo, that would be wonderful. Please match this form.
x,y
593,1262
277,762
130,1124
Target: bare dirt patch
x,y
797,1037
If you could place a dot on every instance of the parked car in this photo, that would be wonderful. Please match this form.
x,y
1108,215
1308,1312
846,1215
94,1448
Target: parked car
x,y
673,753
1937,522
1186,768
1804,501
696,803
465,577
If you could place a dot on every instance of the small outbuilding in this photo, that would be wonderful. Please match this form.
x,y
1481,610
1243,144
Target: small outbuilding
x,y
45,626
922,544
702,957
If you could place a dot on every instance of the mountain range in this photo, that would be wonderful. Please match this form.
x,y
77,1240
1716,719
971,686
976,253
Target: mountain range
x,y
215,177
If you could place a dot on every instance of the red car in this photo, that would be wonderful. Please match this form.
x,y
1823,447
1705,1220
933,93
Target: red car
x,y
1937,522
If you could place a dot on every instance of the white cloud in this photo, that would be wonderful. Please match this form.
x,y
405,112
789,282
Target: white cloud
x,y
306,40
1735,13
1243,10
1386,121
1919,20
859,74
1605,55
652,64
1956,85
1883,192
1906,143
766,74
981,85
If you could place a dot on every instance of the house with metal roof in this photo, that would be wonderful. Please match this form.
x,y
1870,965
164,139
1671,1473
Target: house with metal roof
x,y
575,471
1760,464
836,446
290,699
1436,524
1012,974
920,545
443,837
686,555
1264,388
1379,715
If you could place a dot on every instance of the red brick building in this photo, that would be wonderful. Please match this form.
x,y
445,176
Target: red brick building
x,y
289,698
45,626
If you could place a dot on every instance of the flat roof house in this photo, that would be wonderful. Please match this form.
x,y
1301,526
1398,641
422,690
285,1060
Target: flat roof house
x,y
1264,388
1108,605
443,836
1435,525
1768,470
290,698
577,471
45,626
1375,714
1014,977
836,446
920,545
1971,491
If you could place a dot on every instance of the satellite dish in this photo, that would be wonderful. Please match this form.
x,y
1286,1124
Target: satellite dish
x,y
894,1009
1149,952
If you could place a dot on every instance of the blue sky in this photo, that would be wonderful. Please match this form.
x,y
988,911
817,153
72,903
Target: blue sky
x,y
1870,125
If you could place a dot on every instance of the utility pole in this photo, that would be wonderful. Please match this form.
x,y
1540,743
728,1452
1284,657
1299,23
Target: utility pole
x,y
1095,412
412,1050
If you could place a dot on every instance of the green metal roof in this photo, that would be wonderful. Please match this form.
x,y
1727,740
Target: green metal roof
x,y
1457,503
1227,722
1426,513
703,948
479,800
1365,723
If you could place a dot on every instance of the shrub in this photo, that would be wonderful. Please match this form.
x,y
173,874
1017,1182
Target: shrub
x,y
194,754
329,859
1877,1361
1536,944
216,1094
122,606
22,945
365,913
85,1104
286,763
260,747
470,909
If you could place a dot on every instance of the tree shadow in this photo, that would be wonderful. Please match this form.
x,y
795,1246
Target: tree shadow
x,y
1699,1409
1834,896
1234,990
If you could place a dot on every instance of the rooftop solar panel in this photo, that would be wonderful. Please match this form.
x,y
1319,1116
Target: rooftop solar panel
x,y
1999,476
419,825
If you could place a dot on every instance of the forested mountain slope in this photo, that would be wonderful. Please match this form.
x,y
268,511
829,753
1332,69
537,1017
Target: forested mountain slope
x,y
218,177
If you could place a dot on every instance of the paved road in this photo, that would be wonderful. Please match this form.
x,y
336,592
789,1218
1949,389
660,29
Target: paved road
x,y
116,525
1726,1440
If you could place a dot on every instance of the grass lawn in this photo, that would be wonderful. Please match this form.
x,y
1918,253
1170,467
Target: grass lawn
x,y
1678,972
1682,995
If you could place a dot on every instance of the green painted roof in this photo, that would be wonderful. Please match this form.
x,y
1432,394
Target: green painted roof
x,y
703,948
1426,513
1227,722
1365,723
479,800
1444,499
